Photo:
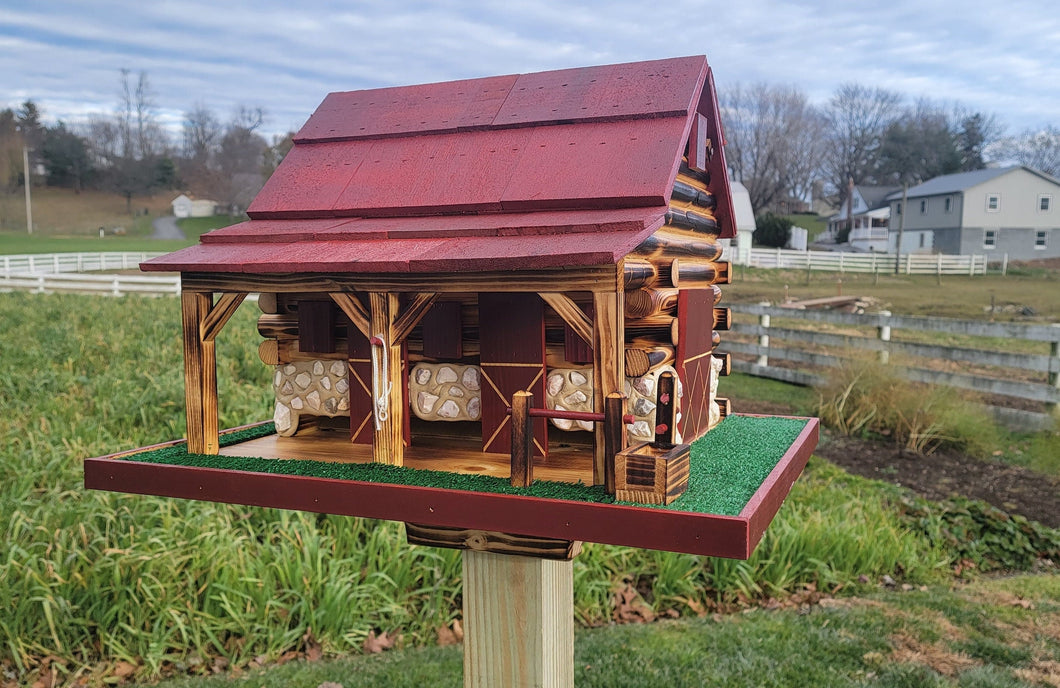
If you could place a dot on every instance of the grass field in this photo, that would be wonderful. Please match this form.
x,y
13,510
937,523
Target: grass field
x,y
89,580
990,634
61,212
813,224
956,297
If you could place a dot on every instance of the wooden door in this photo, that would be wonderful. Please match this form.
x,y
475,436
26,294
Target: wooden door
x,y
512,358
695,312
359,365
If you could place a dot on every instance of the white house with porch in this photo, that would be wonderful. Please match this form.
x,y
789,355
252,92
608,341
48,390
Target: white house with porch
x,y
870,218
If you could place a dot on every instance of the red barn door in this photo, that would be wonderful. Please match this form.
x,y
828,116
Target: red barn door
x,y
512,357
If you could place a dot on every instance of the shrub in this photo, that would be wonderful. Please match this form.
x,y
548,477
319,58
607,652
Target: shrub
x,y
772,230
973,531
869,398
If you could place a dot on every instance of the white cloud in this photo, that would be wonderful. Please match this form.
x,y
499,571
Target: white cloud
x,y
997,57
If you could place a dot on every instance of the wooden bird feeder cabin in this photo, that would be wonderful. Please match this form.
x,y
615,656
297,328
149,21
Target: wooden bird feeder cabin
x,y
515,276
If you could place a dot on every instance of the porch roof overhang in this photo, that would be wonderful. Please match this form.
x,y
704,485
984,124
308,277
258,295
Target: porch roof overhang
x,y
472,243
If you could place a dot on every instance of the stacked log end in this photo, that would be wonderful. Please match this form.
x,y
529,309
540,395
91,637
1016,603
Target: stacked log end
x,y
683,254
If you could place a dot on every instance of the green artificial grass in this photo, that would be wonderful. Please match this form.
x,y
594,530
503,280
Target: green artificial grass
x,y
727,466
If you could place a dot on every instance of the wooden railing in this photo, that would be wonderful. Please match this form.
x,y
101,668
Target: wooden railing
x,y
838,261
803,351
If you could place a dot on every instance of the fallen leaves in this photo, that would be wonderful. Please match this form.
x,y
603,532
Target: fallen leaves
x,y
374,644
450,635
629,606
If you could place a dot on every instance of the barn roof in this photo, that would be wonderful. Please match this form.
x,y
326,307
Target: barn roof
x,y
569,167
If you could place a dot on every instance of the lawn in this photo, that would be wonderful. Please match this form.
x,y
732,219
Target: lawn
x,y
98,585
991,633
956,297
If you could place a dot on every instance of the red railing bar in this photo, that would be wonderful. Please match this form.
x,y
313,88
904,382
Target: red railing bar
x,y
571,415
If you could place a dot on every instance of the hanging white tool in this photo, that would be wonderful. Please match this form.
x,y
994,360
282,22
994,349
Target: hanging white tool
x,y
381,386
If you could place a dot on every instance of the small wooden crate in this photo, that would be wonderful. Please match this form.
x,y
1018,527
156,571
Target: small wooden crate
x,y
649,475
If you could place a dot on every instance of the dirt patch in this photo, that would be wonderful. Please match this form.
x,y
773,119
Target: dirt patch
x,y
934,655
944,475
940,476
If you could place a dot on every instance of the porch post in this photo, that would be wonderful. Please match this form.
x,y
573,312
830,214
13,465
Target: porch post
x,y
609,366
388,445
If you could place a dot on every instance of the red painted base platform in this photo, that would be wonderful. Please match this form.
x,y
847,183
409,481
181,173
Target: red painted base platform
x,y
648,528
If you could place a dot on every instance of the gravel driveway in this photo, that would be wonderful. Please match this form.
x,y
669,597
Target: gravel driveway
x,y
166,228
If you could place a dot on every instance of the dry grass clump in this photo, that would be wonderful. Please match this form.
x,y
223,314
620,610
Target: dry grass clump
x,y
867,398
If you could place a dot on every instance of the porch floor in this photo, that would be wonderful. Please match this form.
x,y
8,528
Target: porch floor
x,y
568,461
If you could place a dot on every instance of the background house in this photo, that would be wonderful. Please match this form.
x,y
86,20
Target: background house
x,y
870,216
1007,210
740,247
186,206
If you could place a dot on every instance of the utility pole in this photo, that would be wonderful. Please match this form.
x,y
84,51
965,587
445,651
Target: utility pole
x,y
850,207
29,201
901,228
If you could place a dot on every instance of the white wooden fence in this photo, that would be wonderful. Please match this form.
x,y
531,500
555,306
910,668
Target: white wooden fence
x,y
839,261
806,350
63,272
52,263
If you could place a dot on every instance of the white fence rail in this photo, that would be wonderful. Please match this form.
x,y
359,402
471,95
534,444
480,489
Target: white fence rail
x,y
65,272
838,261
113,285
805,351
53,263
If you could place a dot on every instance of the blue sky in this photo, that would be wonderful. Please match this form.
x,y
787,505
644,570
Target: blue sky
x,y
997,57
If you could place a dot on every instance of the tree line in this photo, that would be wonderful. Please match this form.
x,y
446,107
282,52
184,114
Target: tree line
x,y
786,150
130,153
781,146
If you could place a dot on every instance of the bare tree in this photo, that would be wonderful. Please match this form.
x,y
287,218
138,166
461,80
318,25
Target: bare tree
x,y
1037,149
773,138
140,134
241,158
857,117
202,131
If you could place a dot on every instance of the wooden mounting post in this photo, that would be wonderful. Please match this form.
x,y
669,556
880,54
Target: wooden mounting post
x,y
518,605
518,621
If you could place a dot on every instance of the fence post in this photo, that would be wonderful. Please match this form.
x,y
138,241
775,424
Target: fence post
x,y
841,262
763,339
908,263
40,284
1004,265
778,257
116,289
883,331
971,265
1054,375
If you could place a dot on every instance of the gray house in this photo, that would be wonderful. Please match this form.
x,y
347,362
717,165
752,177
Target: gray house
x,y
1005,210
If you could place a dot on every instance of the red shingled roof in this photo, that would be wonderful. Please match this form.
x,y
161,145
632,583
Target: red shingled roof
x,y
569,167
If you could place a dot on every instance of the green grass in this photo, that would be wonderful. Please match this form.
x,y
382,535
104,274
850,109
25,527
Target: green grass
x,y
92,578
17,244
957,296
796,399
970,637
193,227
812,223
